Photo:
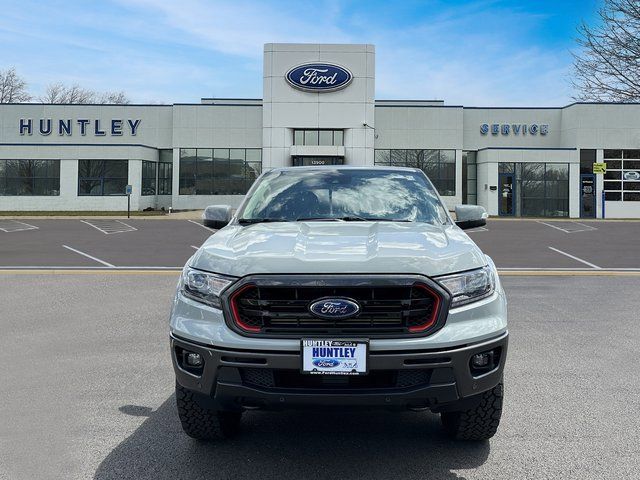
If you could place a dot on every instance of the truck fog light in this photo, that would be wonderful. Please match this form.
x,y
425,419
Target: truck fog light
x,y
193,359
481,360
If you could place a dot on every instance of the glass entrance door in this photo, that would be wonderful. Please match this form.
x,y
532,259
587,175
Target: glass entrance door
x,y
506,196
587,196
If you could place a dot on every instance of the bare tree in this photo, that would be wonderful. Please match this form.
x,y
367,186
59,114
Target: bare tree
x,y
608,66
13,89
117,98
75,94
53,94
60,93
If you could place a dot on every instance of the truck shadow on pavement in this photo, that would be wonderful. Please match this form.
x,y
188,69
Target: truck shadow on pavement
x,y
295,444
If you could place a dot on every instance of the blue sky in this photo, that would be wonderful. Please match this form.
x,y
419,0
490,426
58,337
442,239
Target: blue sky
x,y
474,52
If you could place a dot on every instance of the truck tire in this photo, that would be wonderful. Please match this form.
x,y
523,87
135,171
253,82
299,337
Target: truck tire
x,y
479,423
202,423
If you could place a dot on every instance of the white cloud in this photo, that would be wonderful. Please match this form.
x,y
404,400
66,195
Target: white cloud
x,y
478,53
241,28
472,57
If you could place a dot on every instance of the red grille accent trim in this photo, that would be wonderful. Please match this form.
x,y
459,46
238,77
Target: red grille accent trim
x,y
434,312
236,314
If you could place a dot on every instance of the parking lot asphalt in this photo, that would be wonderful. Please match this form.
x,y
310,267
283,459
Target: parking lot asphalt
x,y
87,392
99,243
153,243
549,244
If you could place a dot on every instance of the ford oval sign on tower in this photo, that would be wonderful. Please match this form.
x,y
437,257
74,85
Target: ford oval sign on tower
x,y
319,77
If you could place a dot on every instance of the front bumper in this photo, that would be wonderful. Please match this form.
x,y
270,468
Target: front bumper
x,y
447,378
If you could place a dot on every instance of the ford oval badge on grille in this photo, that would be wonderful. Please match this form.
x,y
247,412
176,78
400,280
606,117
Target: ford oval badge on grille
x,y
334,308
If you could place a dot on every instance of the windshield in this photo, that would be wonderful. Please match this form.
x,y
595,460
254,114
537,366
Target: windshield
x,y
344,194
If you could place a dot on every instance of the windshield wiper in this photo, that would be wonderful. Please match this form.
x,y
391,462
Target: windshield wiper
x,y
317,219
388,220
353,218
349,218
346,218
250,221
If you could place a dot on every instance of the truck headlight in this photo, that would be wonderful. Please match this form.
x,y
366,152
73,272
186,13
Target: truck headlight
x,y
204,287
469,286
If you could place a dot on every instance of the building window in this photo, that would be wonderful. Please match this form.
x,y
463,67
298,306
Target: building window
x,y
469,178
587,159
438,165
622,180
318,137
102,177
30,177
541,190
218,171
506,168
148,178
165,172
165,178
531,189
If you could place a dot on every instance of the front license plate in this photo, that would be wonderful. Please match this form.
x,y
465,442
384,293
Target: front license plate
x,y
334,357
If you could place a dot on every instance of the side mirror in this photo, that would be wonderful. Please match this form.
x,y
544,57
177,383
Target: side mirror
x,y
470,216
217,216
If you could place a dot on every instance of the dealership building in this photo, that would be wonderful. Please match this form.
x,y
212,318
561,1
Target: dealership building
x,y
318,108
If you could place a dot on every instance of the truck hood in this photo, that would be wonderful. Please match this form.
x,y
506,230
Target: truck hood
x,y
338,247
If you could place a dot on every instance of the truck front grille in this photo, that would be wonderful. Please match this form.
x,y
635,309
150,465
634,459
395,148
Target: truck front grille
x,y
283,310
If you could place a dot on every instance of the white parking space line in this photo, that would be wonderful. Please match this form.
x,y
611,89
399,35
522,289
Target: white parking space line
x,y
201,225
5,268
585,228
107,264
193,246
567,269
132,270
553,226
478,229
577,259
109,227
9,226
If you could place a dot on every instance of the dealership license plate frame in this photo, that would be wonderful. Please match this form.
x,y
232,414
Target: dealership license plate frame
x,y
358,341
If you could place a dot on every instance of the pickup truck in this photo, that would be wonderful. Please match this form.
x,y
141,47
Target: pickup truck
x,y
335,287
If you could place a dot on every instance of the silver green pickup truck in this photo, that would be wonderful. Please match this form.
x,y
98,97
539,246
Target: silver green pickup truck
x,y
340,287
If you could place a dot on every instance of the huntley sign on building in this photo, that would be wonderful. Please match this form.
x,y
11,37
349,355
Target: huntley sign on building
x,y
48,126
318,108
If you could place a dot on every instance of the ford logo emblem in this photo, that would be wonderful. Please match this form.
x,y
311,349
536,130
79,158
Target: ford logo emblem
x,y
334,308
632,175
326,362
319,77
